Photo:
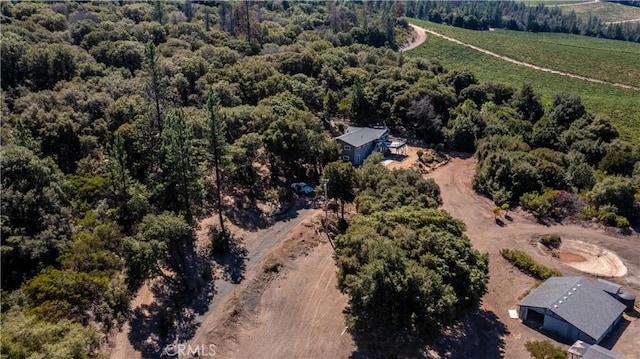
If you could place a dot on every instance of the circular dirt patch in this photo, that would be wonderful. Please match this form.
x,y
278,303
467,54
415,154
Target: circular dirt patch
x,y
570,257
591,259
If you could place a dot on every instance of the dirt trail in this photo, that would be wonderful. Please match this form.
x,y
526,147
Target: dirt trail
x,y
575,3
526,64
258,247
419,36
621,21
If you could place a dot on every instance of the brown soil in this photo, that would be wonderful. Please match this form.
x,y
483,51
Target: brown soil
x,y
570,258
410,160
298,313
598,260
506,284
285,313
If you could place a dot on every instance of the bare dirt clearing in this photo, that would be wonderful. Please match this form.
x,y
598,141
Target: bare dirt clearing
x,y
410,160
229,276
300,314
286,307
507,284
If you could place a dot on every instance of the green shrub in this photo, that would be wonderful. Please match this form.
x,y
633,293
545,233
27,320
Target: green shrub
x,y
543,349
541,205
420,153
527,265
551,241
606,215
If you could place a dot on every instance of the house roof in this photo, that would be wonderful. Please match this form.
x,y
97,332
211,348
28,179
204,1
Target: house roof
x,y
358,136
607,286
587,351
598,352
579,302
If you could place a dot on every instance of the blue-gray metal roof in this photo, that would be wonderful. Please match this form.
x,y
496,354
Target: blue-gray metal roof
x,y
577,301
607,286
548,292
358,136
598,352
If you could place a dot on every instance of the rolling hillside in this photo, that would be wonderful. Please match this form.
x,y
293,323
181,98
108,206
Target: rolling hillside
x,y
621,105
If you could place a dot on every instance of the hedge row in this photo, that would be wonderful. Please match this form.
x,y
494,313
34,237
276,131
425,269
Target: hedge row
x,y
526,264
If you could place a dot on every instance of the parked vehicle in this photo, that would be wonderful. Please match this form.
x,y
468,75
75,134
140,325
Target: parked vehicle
x,y
301,187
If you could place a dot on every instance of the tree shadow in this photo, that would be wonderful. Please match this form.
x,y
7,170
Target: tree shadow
x,y
479,335
461,155
292,211
233,260
171,318
247,215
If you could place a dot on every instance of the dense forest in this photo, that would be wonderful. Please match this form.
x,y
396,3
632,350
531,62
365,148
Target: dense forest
x,y
511,15
124,123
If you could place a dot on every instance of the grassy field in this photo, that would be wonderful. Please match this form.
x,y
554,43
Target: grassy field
x,y
603,59
605,11
620,105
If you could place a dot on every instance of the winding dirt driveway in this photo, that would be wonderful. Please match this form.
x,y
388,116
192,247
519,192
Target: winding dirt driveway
x,y
420,30
419,37
455,181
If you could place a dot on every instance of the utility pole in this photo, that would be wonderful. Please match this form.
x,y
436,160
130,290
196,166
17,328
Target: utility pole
x,y
325,182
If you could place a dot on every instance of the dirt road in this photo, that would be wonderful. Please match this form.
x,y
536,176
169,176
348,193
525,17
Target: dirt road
x,y
258,244
621,21
300,314
574,3
526,64
419,36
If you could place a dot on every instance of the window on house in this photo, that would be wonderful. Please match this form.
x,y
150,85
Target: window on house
x,y
345,158
347,147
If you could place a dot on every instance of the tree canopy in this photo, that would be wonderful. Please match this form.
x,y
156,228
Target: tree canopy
x,y
407,267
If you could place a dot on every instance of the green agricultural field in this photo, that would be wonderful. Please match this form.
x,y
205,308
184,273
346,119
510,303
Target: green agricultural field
x,y
603,59
605,11
620,105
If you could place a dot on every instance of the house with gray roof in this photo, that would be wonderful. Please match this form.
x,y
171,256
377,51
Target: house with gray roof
x,y
573,308
357,143
582,350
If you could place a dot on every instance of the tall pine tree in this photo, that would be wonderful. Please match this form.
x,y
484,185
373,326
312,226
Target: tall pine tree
x,y
218,147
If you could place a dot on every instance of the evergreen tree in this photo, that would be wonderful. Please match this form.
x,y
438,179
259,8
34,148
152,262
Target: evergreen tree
x,y
181,179
217,146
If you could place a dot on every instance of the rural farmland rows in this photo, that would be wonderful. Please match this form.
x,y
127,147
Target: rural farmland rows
x,y
418,29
